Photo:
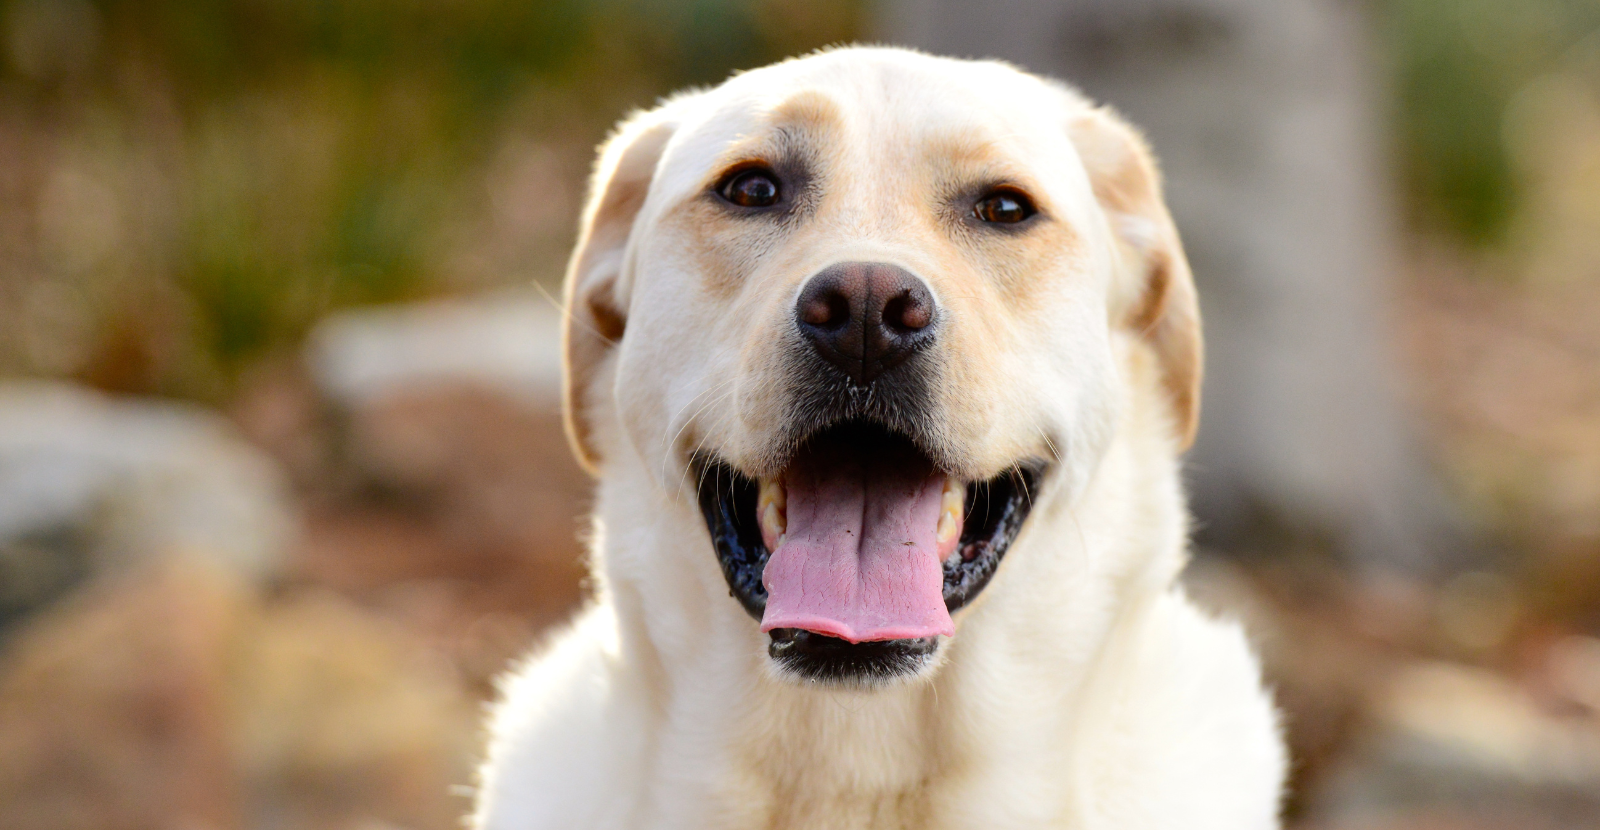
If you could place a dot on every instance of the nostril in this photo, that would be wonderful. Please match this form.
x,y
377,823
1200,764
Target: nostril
x,y
827,310
906,313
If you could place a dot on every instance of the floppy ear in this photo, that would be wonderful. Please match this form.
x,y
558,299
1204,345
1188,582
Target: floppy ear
x,y
596,314
1154,293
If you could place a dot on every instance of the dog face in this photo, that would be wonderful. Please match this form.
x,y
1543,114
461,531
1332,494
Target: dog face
x,y
866,309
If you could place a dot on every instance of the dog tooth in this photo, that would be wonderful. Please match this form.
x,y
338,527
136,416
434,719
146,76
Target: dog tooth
x,y
951,503
948,527
954,497
772,492
772,520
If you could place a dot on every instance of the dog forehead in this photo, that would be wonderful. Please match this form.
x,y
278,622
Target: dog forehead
x,y
869,103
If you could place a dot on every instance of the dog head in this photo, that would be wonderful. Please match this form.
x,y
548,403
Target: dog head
x,y
864,309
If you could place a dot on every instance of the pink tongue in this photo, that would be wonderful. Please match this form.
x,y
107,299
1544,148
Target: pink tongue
x,y
860,560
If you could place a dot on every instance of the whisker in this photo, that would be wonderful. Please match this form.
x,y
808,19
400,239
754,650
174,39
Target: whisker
x,y
1022,480
567,313
666,446
700,444
1054,453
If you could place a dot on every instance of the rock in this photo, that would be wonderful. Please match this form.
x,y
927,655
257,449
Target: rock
x,y
449,496
90,482
452,410
113,709
346,718
174,695
1454,740
1458,717
509,342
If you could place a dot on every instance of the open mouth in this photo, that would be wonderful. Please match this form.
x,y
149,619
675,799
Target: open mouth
x,y
854,556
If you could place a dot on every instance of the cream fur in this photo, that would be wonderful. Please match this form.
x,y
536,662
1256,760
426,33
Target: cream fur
x,y
1082,689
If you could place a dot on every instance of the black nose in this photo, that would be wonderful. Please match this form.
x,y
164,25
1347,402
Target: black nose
x,y
866,317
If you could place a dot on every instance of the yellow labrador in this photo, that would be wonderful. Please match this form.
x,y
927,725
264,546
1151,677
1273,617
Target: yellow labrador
x,y
884,363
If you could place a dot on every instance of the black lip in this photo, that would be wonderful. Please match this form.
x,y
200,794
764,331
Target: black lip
x,y
824,659
728,502
995,512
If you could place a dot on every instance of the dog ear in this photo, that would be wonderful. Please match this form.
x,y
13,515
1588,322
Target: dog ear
x,y
596,312
1154,292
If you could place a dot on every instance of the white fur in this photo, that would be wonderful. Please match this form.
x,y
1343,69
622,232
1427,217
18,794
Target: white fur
x,y
1082,689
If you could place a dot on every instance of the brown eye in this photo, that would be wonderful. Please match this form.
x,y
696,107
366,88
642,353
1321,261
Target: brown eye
x,y
1004,207
752,189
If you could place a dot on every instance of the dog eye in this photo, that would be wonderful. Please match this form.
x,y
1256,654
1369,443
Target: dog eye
x,y
1004,207
751,188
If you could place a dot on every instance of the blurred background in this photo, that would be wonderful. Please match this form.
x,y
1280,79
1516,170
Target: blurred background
x,y
282,482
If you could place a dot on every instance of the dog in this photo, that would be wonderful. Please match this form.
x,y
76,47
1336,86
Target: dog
x,y
884,363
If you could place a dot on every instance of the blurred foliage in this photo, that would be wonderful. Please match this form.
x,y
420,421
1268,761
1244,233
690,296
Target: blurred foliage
x,y
1459,66
189,184
186,186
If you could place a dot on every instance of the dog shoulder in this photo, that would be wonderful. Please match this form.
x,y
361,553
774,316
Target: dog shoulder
x,y
1192,735
564,739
